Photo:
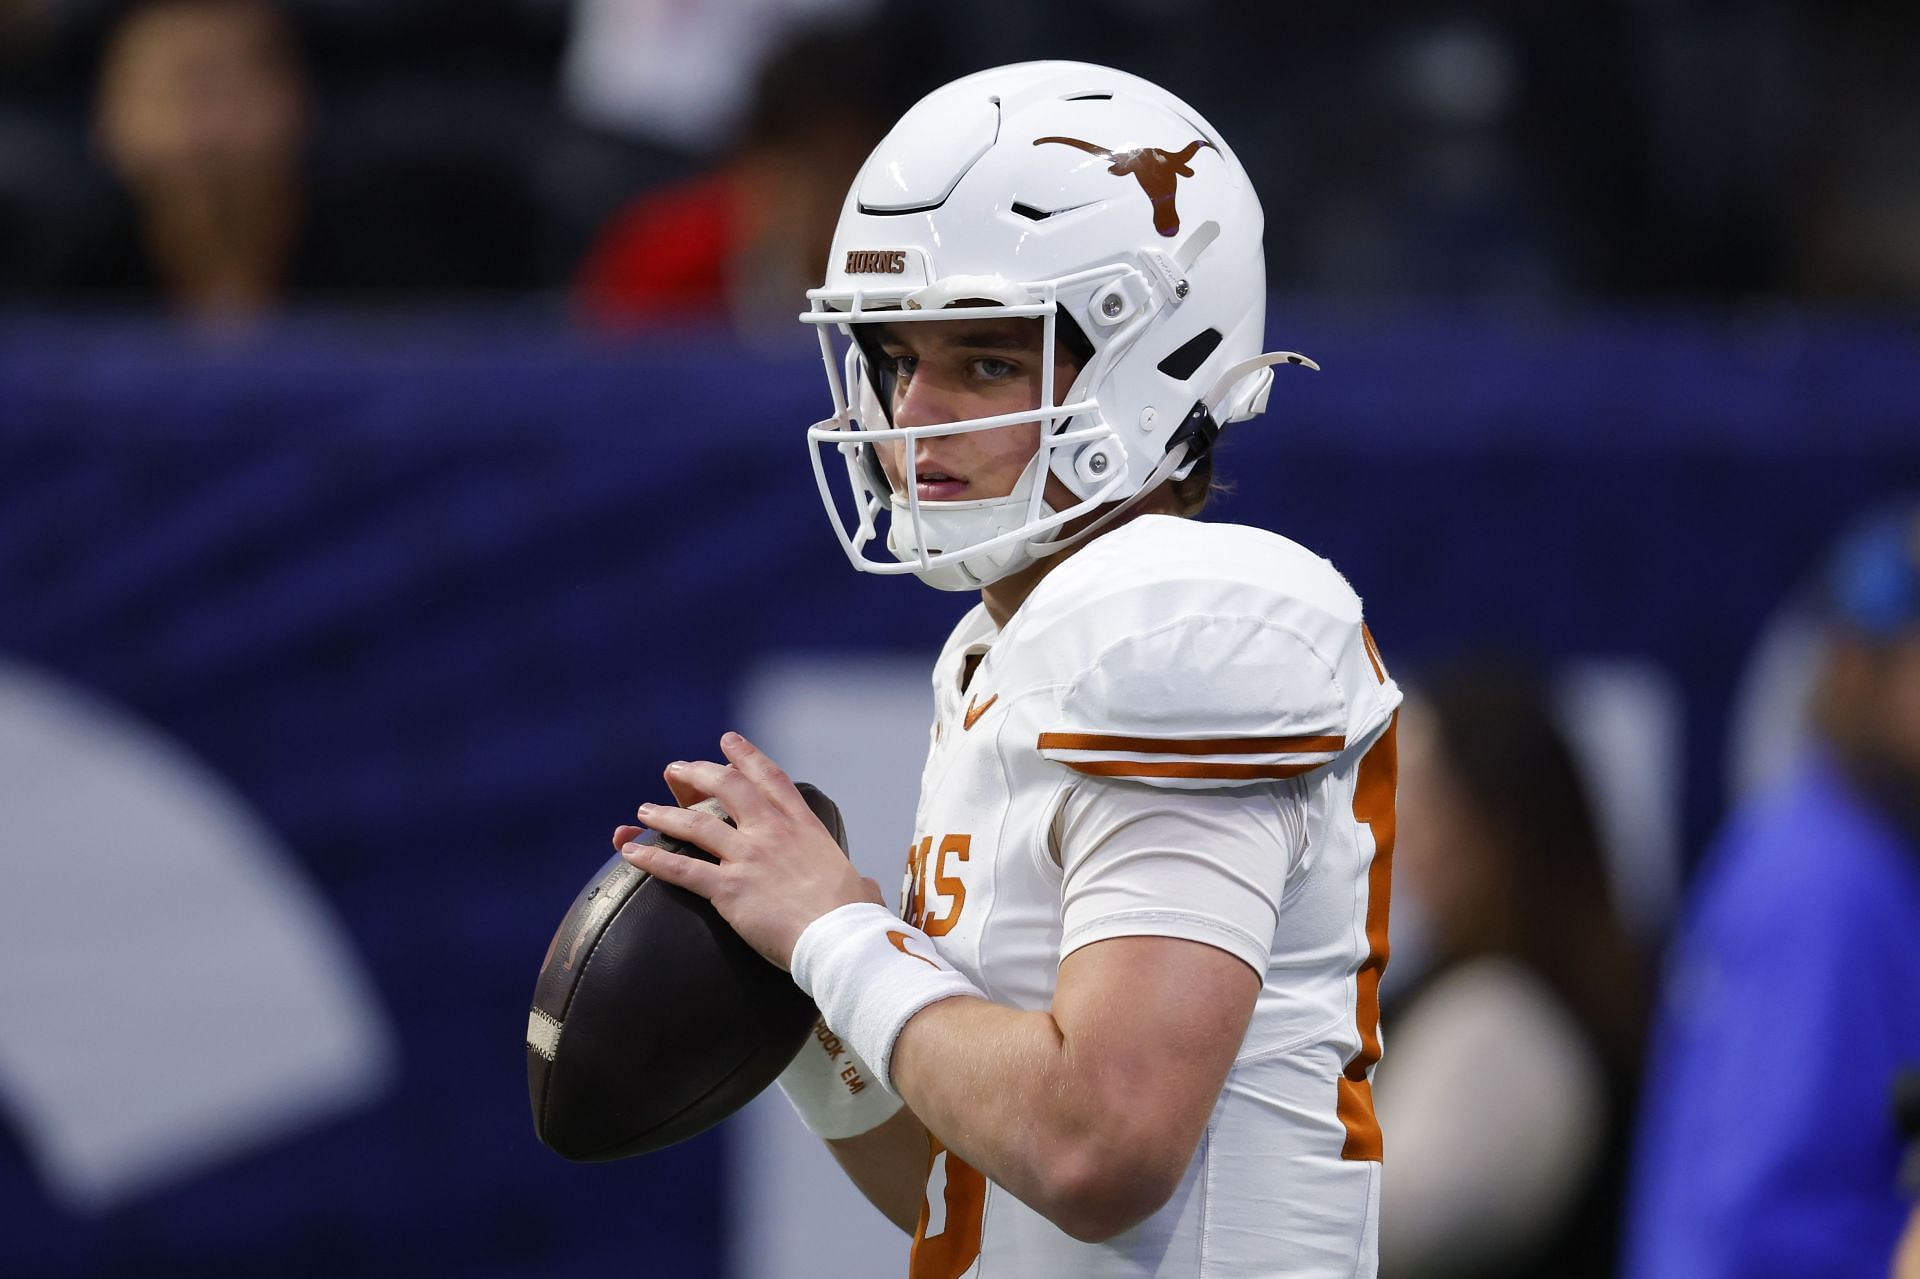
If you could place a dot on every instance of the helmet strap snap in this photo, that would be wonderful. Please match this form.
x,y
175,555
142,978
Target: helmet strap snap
x,y
1196,433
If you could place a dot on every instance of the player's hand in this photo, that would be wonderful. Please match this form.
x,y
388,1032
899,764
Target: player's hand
x,y
779,868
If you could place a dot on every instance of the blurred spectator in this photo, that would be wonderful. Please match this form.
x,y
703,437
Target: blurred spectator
x,y
1861,233
223,198
683,74
202,115
1506,1090
1792,1001
1486,149
744,240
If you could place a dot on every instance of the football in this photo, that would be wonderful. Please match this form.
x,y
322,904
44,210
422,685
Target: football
x,y
652,1021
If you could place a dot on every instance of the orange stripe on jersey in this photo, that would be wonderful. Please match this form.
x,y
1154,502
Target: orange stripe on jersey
x,y
1175,768
1373,806
949,1254
1191,746
1373,653
1355,1108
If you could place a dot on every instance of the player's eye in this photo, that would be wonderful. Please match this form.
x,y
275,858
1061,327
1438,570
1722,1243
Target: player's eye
x,y
897,363
992,370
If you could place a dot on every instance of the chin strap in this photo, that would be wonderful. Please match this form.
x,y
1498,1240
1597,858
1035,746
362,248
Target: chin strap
x,y
1190,440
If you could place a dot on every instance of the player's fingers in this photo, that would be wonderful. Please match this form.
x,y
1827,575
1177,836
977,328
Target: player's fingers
x,y
695,825
623,835
685,793
735,791
690,873
767,777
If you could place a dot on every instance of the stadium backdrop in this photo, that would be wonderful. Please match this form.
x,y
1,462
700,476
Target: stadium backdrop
x,y
437,598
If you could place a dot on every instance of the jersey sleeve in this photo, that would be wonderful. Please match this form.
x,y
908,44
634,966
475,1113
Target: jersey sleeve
x,y
1209,867
1222,699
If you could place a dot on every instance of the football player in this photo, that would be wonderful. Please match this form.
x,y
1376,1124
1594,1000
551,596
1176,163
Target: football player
x,y
1126,1019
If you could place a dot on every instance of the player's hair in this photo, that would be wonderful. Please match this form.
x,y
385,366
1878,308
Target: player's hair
x,y
1191,494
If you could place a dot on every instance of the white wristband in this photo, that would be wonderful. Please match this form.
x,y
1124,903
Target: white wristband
x,y
832,1090
868,973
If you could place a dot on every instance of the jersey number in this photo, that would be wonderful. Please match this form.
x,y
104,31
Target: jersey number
x,y
913,897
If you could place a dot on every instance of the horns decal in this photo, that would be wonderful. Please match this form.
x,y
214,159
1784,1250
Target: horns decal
x,y
1157,171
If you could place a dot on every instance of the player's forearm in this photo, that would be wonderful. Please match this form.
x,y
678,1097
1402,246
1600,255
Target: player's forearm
x,y
1004,1090
889,1166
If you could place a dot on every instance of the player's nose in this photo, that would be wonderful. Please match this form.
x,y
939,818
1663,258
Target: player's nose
x,y
925,402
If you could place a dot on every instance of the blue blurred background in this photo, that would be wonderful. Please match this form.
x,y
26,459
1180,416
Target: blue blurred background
x,y
410,478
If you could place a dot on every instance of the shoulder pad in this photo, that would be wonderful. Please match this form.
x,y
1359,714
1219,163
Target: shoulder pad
x,y
1246,664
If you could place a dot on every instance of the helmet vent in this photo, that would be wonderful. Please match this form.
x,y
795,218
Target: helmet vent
x,y
1088,97
1186,361
1029,212
872,212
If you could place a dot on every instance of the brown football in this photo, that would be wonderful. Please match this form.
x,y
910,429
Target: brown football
x,y
652,1021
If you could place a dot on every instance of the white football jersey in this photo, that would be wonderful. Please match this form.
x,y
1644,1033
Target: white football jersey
x,y
1219,676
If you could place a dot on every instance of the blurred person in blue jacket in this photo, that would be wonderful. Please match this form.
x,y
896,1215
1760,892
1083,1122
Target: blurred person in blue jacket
x,y
1767,1142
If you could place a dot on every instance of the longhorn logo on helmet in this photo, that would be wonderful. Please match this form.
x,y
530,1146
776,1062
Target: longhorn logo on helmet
x,y
1157,171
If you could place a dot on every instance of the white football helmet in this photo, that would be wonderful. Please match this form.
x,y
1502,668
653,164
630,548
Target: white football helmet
x,y
1087,198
